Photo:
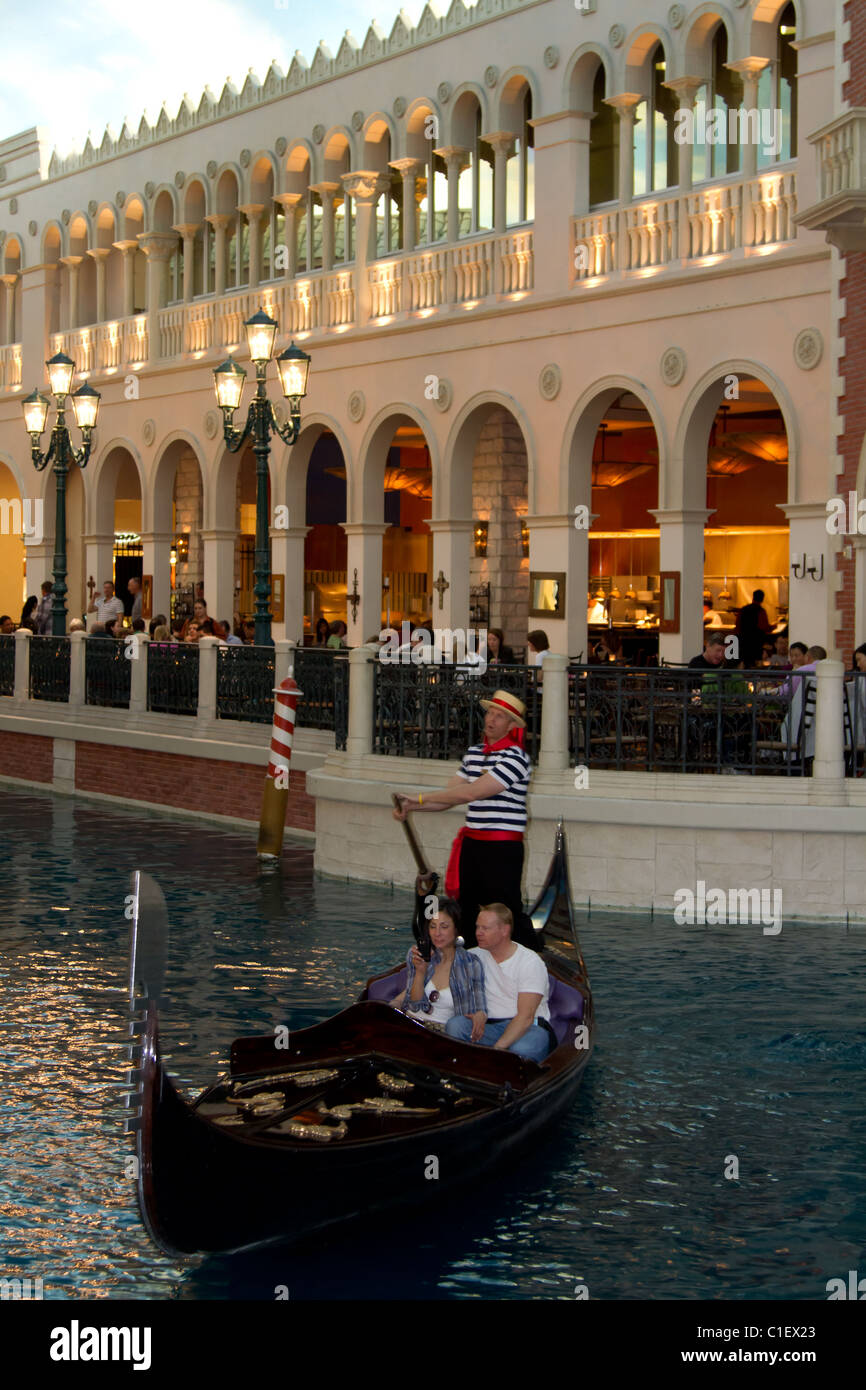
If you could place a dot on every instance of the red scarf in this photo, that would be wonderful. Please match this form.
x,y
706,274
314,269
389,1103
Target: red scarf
x,y
452,873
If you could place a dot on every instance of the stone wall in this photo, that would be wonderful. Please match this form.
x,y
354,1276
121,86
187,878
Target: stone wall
x,y
187,515
499,497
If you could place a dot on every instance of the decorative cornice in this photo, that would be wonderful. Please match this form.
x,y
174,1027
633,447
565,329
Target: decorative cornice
x,y
351,56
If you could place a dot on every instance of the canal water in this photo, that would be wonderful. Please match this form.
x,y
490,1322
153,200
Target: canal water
x,y
716,1149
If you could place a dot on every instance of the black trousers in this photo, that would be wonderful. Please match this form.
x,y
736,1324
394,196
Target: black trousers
x,y
490,872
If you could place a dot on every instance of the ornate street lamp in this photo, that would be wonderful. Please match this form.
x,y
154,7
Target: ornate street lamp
x,y
293,366
85,404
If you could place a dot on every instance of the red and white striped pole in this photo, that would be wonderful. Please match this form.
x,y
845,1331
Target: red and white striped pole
x,y
275,800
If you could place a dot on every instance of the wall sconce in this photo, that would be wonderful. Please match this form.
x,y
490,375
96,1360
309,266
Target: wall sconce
x,y
481,529
524,536
807,564
181,547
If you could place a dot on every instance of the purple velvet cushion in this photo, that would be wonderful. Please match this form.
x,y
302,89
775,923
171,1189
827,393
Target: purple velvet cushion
x,y
566,1008
388,988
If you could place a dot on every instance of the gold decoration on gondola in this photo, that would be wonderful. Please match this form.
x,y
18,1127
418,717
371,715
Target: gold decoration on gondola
x,y
322,1134
228,1119
313,1078
398,1085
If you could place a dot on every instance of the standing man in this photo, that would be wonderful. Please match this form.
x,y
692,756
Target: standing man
x,y
752,626
43,611
487,856
107,607
134,587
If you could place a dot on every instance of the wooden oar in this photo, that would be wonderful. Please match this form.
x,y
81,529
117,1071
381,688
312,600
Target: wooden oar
x,y
420,921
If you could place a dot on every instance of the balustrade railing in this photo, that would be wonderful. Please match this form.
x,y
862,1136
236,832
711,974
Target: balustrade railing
x,y
842,156
49,669
245,684
691,720
199,326
426,278
323,676
107,672
472,264
516,262
430,711
337,290
172,677
172,330
385,288
7,665
10,366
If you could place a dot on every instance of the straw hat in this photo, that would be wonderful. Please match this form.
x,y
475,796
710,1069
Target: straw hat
x,y
503,699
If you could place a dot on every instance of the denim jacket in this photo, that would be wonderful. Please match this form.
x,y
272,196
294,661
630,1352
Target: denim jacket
x,y
466,983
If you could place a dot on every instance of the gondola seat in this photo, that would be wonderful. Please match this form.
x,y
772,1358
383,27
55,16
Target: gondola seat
x,y
566,1004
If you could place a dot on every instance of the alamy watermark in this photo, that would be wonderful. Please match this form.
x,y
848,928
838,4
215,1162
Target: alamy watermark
x,y
447,646
18,521
716,125
715,907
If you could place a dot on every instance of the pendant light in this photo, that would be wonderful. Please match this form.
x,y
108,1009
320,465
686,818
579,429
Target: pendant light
x,y
614,589
725,593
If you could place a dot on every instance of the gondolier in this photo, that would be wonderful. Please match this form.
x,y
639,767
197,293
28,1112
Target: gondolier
x,y
486,863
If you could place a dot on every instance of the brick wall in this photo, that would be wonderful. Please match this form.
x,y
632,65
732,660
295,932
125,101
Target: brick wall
x,y
27,756
191,784
852,327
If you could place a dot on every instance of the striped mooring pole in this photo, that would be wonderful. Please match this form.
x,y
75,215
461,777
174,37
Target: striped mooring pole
x,y
275,800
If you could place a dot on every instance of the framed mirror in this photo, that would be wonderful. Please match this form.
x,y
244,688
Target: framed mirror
x,y
669,605
546,594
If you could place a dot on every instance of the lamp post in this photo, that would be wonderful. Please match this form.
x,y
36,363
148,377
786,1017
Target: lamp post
x,y
293,366
85,403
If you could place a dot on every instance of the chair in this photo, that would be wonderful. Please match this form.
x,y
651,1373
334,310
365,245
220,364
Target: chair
x,y
800,749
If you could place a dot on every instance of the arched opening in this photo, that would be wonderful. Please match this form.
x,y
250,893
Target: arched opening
x,y
475,184
10,292
721,94
655,151
164,218
178,511
194,212
777,89
81,277
389,205
245,532
336,162
133,227
326,544
431,185
236,251
272,218
301,220
118,514
515,116
746,538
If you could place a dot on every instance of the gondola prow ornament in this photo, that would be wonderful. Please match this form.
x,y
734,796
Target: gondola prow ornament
x,y
272,823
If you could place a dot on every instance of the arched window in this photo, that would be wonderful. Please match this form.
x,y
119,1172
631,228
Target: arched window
x,y
603,145
777,90
475,184
520,170
655,149
725,93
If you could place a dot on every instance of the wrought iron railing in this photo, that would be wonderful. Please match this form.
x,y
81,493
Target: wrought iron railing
x,y
245,684
692,720
108,672
7,665
434,711
49,668
172,677
323,676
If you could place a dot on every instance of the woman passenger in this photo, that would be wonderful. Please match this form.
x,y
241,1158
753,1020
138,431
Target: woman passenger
x,y
497,652
451,982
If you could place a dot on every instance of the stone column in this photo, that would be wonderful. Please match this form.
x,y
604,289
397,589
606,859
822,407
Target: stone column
x,y
502,142
208,648
219,569
127,249
750,70
72,263
77,681
219,221
326,192
359,740
553,754
685,89
10,282
452,551
100,254
456,158
409,170
810,605
156,561
188,231
681,547
138,672
558,547
98,565
287,559
253,213
22,665
159,248
365,556
363,187
829,765
561,181
625,104
292,205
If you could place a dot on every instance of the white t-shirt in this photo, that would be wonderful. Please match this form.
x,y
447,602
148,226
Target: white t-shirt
x,y
523,973
443,1007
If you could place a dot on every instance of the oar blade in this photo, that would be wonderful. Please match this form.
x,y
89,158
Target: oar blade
x,y
148,937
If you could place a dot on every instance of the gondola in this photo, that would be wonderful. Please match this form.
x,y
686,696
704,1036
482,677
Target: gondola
x,y
362,1113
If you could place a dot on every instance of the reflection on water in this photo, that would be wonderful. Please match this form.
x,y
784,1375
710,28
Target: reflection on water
x,y
713,1043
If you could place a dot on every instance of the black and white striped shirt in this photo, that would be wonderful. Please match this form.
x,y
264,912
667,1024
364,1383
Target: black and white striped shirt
x,y
506,810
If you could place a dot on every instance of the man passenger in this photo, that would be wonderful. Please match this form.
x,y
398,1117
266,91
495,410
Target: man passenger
x,y
517,987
